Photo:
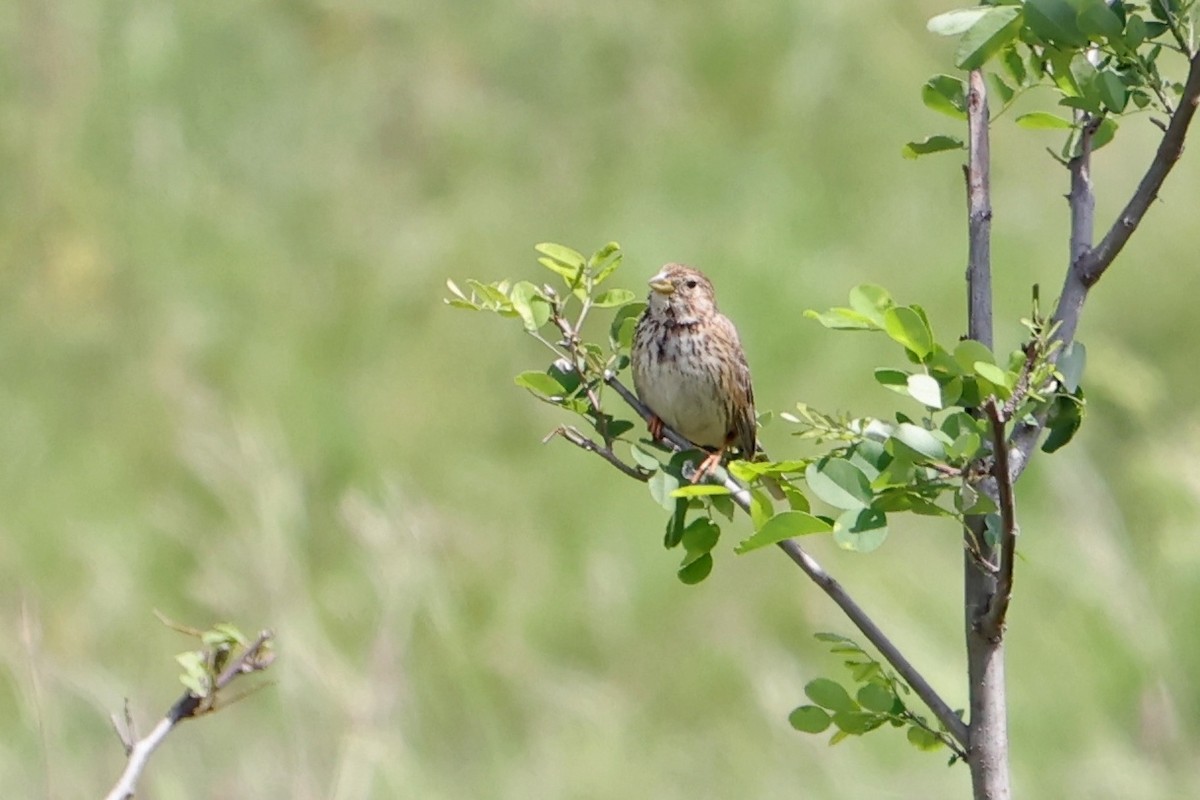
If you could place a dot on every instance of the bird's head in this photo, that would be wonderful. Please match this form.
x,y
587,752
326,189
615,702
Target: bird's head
x,y
683,294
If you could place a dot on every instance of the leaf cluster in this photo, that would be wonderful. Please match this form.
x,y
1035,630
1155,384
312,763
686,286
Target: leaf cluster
x,y
1098,60
220,646
878,700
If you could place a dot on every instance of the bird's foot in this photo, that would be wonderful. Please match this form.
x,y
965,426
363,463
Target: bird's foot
x,y
707,466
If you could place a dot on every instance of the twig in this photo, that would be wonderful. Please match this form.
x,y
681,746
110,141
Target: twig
x,y
253,659
1088,265
828,584
993,620
1093,264
575,437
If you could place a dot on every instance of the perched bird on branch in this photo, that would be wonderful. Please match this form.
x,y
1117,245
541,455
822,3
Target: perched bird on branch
x,y
689,368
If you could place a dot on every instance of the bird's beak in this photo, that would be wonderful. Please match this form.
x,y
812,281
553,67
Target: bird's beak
x,y
660,284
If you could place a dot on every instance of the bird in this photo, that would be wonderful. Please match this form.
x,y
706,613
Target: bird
x,y
689,368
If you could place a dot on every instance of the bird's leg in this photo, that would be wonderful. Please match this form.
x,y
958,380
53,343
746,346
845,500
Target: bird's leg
x,y
708,465
655,424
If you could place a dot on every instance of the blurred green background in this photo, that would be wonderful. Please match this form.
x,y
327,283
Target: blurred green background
x,y
229,390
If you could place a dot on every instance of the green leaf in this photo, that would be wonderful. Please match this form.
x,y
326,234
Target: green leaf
x,y
1104,134
831,695
620,333
540,383
871,301
784,525
907,327
931,144
842,319
700,490
699,537
839,483
1042,120
869,456
945,94
529,302
968,351
612,249
675,524
860,530
809,719
926,390
923,739
573,260
1071,364
761,508
1014,65
662,484
224,634
894,379
695,571
613,297
1054,21
919,440
995,29
856,723
1000,378
643,459
876,697
1000,88
1135,32
1097,21
1065,419
952,23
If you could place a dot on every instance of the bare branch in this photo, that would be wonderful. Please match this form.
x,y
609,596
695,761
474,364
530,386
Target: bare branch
x,y
988,737
575,437
828,584
253,659
1091,266
993,621
979,215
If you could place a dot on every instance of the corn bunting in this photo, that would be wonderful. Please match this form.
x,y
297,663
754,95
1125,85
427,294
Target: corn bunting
x,y
689,368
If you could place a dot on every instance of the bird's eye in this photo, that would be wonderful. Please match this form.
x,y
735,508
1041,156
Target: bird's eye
x,y
691,284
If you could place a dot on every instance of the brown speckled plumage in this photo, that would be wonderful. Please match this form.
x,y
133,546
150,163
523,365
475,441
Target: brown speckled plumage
x,y
688,364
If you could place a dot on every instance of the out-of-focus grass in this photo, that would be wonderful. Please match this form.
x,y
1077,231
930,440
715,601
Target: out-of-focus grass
x,y
229,390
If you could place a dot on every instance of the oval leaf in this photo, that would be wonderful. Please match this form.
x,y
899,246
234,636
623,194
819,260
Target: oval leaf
x,y
926,390
876,697
909,328
831,695
920,440
540,382
1041,120
784,525
860,530
839,483
931,144
695,571
809,719
945,94
988,36
613,297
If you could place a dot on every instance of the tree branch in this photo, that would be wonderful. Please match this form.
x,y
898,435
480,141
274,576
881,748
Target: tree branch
x,y
993,621
1092,264
951,721
575,437
253,659
988,738
1089,264
979,215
